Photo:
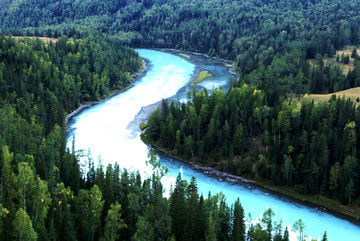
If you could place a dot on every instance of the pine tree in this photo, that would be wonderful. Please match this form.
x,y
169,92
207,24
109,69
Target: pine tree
x,y
191,210
286,235
238,230
354,54
177,207
324,238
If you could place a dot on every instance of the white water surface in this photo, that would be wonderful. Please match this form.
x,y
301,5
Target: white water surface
x,y
103,129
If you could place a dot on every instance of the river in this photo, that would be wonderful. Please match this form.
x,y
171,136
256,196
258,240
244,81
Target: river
x,y
110,132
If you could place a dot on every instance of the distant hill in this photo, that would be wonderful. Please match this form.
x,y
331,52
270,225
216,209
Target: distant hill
x,y
271,41
223,28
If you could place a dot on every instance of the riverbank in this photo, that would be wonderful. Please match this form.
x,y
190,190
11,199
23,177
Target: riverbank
x,y
200,61
188,56
317,202
191,57
324,205
135,76
104,130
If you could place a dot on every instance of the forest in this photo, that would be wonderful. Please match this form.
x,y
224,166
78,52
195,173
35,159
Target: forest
x,y
311,147
46,194
270,41
114,204
263,128
252,32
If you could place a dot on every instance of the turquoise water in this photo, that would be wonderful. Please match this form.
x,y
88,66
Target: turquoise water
x,y
104,130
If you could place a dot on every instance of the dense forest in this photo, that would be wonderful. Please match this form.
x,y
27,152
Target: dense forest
x,y
259,129
46,194
252,32
271,41
114,204
312,147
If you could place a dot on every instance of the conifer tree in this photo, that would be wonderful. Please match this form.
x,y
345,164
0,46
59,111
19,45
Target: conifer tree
x,y
177,208
238,229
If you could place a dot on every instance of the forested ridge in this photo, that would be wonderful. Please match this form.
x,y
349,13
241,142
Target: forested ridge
x,y
270,41
258,129
251,31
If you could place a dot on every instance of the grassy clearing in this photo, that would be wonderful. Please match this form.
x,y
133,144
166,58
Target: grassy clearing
x,y
45,39
332,61
353,94
184,55
203,75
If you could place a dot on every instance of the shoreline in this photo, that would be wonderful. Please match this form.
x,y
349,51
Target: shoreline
x,y
147,66
135,77
224,176
210,171
227,63
146,111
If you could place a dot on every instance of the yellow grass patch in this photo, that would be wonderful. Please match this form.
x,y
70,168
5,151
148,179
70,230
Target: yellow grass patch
x,y
45,39
332,61
348,50
353,94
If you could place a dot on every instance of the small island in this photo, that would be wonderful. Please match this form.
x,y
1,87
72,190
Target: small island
x,y
203,75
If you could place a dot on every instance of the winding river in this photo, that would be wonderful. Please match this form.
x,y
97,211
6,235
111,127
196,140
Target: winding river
x,y
110,132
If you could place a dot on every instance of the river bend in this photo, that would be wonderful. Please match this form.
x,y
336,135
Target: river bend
x,y
108,130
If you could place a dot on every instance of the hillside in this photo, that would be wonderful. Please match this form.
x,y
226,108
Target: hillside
x,y
223,28
312,150
353,94
271,41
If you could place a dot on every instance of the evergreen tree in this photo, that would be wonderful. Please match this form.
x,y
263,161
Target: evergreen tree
x,y
286,235
324,238
238,230
177,207
354,54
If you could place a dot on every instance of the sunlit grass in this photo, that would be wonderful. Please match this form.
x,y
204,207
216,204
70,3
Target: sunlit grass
x,y
203,75
353,94
45,39
332,61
